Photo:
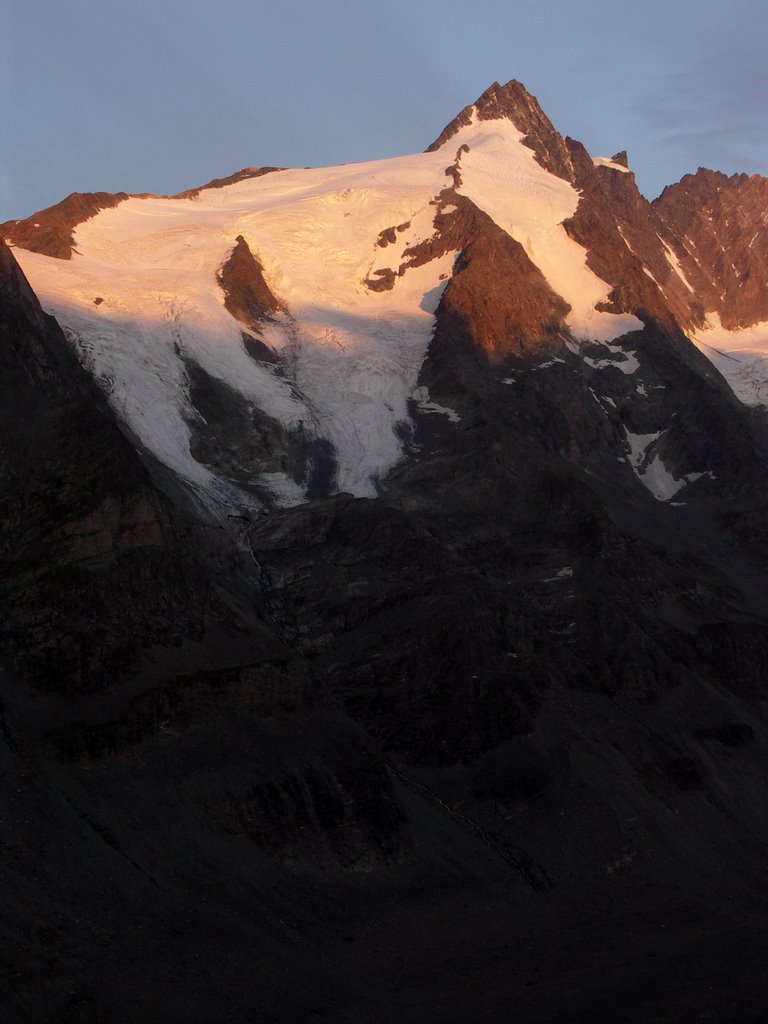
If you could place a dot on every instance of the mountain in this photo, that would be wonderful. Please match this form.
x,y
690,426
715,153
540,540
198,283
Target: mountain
x,y
384,605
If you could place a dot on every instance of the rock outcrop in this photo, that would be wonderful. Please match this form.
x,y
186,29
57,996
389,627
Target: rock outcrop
x,y
231,179
716,227
51,231
247,295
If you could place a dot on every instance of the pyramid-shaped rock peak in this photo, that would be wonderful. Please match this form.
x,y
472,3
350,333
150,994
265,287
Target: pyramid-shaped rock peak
x,y
513,102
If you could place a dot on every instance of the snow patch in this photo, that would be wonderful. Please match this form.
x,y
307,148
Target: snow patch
x,y
650,469
602,161
639,445
628,365
659,480
421,397
602,400
562,574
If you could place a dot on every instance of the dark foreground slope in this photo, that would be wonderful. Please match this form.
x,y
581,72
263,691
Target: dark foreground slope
x,y
490,746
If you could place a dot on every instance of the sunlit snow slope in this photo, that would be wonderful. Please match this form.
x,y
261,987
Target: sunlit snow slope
x,y
141,298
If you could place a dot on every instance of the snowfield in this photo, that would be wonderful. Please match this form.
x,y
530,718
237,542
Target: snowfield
x,y
141,294
741,356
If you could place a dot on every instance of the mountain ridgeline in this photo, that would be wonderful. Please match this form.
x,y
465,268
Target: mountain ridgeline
x,y
385,592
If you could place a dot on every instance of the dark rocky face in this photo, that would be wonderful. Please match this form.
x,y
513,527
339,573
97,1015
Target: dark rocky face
x,y
716,225
493,739
246,293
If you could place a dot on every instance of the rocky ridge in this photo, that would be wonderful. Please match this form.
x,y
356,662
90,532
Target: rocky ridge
x,y
708,224
716,226
51,231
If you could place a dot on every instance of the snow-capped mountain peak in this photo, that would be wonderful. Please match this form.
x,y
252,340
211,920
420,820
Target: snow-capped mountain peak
x,y
263,336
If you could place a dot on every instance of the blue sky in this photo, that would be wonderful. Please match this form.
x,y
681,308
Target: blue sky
x,y
159,95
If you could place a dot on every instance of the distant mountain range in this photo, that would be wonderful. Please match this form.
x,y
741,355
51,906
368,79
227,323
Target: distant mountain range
x,y
384,602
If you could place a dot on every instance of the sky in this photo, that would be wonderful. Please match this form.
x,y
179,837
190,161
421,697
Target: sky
x,y
159,95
